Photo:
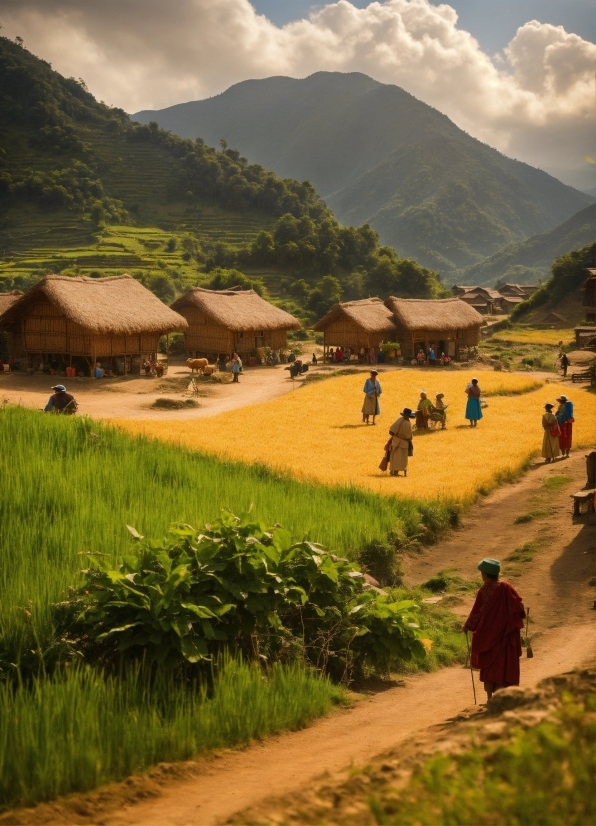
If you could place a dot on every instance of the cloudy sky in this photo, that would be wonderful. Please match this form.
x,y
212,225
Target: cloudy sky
x,y
518,74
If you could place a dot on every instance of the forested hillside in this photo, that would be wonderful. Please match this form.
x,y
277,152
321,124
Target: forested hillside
x,y
72,169
380,156
562,292
530,261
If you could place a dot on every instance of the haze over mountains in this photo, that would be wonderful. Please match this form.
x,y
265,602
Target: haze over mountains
x,y
380,156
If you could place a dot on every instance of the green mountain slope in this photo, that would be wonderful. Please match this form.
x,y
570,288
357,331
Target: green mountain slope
x,y
85,190
380,156
530,261
562,292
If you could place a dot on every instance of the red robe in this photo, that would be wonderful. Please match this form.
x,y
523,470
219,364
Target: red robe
x,y
495,622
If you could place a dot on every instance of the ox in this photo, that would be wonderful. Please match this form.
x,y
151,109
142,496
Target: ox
x,y
197,364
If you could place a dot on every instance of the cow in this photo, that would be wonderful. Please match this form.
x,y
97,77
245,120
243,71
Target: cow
x,y
197,364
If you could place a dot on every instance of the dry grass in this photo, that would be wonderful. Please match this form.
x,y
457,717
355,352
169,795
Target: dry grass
x,y
528,336
315,432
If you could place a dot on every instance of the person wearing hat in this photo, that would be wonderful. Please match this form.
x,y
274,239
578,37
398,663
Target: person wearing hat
x,y
495,622
438,410
372,391
61,401
565,419
473,409
401,442
552,431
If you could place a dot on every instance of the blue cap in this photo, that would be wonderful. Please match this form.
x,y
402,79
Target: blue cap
x,y
59,387
492,567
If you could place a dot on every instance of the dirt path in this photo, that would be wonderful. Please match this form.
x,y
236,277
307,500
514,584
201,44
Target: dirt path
x,y
290,761
554,584
132,397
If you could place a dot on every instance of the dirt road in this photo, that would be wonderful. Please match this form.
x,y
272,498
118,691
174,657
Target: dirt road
x,y
132,397
554,582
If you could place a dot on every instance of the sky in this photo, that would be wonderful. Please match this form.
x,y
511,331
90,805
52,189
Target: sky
x,y
517,74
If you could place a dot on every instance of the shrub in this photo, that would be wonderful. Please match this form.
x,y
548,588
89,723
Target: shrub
x,y
381,560
239,586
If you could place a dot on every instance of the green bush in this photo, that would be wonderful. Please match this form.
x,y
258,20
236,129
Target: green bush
x,y
240,586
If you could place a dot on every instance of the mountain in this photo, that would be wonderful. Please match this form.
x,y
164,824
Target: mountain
x,y
530,261
380,156
81,185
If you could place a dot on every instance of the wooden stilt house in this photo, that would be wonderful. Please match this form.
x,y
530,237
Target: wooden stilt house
x,y
449,325
358,326
65,319
221,322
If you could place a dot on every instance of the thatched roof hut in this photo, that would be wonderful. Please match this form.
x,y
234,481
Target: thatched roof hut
x,y
448,325
357,325
224,321
7,300
63,316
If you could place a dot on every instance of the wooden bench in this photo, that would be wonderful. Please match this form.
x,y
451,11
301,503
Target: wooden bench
x,y
583,501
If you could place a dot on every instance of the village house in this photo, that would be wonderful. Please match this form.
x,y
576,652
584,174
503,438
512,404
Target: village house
x,y
358,327
221,322
71,322
6,337
483,299
448,325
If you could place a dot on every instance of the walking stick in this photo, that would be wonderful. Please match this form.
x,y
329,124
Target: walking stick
x,y
471,671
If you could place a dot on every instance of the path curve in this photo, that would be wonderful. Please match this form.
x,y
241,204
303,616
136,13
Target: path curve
x,y
288,762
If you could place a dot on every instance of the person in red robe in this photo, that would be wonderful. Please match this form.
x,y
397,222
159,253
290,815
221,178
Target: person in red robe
x,y
495,622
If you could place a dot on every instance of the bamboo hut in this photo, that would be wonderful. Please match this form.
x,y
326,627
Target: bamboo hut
x,y
65,319
359,326
449,325
222,322
7,342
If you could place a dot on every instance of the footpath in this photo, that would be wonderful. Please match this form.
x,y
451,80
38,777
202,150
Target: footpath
x,y
551,564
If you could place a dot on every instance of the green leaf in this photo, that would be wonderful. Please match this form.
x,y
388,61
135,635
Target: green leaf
x,y
194,649
282,540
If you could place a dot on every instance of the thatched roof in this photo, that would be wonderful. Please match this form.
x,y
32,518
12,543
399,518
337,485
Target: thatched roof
x,y
237,309
7,300
370,314
118,305
434,314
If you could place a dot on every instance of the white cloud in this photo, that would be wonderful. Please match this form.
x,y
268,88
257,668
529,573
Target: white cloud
x,y
535,101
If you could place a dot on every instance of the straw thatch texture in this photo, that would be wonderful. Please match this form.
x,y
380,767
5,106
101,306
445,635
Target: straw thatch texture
x,y
235,310
6,301
440,315
115,306
369,315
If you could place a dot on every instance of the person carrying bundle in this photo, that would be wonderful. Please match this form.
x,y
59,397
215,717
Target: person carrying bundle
x,y
61,401
495,622
439,408
401,442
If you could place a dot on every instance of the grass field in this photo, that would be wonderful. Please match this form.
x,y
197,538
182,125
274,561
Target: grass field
x,y
82,729
316,432
75,485
523,335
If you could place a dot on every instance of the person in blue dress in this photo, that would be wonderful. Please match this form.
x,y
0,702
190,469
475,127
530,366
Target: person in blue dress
x,y
473,409
372,391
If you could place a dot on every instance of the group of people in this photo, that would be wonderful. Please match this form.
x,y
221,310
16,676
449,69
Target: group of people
x,y
558,429
428,411
430,358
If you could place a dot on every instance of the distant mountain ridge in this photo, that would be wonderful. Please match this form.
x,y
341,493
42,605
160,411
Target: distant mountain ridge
x,y
531,260
380,156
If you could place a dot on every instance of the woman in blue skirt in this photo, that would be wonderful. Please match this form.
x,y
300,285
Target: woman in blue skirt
x,y
473,409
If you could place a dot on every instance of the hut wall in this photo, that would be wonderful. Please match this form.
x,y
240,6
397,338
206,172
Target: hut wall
x,y
46,330
344,332
452,340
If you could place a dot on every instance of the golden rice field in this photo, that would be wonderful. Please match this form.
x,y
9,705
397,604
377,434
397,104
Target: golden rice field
x,y
528,336
315,432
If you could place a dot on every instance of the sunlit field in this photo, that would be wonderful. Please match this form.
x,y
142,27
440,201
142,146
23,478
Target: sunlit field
x,y
529,336
316,432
